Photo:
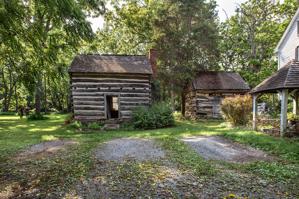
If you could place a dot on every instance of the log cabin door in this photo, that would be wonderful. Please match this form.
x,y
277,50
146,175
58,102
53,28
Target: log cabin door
x,y
216,107
112,106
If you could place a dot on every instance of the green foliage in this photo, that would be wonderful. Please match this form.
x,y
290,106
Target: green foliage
x,y
8,113
95,125
277,171
293,117
76,124
157,116
38,40
62,171
237,110
188,159
248,38
37,116
187,44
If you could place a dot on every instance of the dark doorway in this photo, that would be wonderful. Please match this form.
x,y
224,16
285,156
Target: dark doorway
x,y
112,107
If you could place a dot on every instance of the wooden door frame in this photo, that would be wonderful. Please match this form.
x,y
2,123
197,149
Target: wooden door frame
x,y
105,103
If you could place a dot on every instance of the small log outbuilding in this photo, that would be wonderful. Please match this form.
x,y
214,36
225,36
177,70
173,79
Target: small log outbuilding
x,y
107,87
204,95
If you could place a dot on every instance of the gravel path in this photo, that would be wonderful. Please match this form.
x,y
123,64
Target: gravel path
x,y
129,148
139,168
217,148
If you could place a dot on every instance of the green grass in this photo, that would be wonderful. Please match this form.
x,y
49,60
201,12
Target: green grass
x,y
59,172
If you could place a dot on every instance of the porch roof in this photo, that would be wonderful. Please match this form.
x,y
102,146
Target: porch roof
x,y
286,77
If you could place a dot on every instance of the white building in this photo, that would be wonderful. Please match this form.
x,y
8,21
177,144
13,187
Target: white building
x,y
287,49
286,80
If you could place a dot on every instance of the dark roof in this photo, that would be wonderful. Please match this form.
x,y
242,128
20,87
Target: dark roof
x,y
219,81
285,77
134,64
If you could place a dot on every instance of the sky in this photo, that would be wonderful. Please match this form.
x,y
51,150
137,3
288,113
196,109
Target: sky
x,y
227,6
224,7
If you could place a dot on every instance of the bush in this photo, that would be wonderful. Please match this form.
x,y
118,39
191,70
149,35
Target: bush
x,y
76,125
292,117
69,119
35,116
157,116
95,125
237,110
8,113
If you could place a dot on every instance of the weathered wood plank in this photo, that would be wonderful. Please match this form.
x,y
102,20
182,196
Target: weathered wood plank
x,y
92,103
88,98
139,103
89,107
106,90
87,93
131,99
89,118
88,113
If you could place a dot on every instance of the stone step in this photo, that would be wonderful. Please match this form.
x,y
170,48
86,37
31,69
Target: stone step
x,y
112,121
111,126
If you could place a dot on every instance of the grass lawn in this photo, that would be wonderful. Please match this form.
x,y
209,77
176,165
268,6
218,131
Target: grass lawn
x,y
55,176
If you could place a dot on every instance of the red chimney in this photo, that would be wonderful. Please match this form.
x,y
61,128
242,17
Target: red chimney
x,y
153,55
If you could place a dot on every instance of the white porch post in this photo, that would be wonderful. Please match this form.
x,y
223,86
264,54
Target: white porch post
x,y
254,111
295,104
284,111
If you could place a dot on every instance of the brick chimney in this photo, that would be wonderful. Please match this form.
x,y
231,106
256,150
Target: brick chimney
x,y
153,55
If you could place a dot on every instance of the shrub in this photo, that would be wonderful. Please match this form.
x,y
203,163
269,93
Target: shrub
x,y
69,119
157,116
36,116
237,110
95,125
8,113
76,125
292,117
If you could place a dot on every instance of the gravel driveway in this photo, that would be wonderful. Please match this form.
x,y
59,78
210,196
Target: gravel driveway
x,y
129,148
217,148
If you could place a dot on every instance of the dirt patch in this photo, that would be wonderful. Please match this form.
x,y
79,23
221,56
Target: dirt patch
x,y
129,148
217,148
46,148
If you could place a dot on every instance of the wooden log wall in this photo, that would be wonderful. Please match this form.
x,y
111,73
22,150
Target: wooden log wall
x,y
88,94
204,104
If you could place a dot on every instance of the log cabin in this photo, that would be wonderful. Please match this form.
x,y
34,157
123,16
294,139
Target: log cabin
x,y
109,87
204,95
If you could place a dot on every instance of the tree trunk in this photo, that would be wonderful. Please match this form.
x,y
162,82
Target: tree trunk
x,y
172,95
38,96
16,98
183,105
45,93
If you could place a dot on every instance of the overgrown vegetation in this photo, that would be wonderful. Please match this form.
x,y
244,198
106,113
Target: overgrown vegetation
x,y
58,173
157,116
37,116
187,158
237,110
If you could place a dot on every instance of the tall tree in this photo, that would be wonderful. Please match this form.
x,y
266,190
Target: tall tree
x,y
52,27
186,38
248,38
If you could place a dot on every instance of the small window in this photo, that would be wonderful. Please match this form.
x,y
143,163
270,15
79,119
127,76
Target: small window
x,y
297,27
297,54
